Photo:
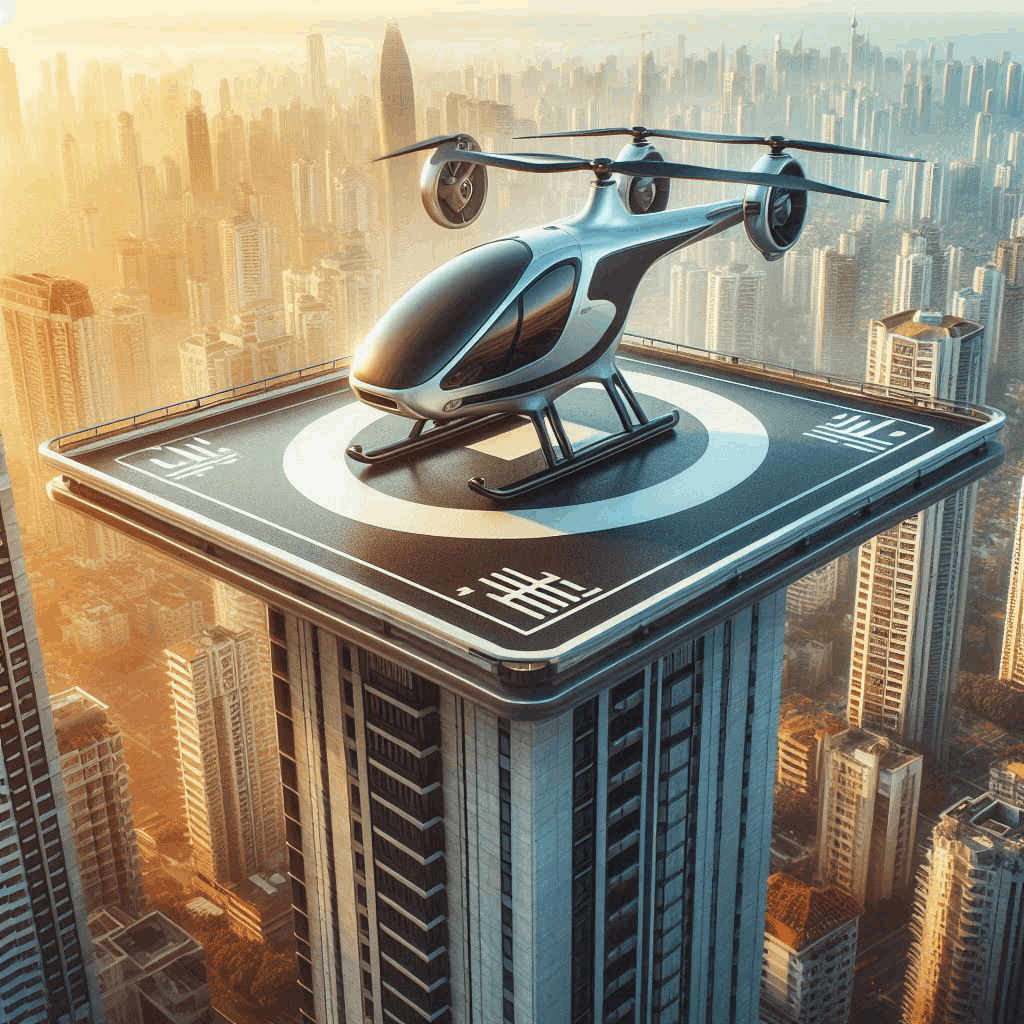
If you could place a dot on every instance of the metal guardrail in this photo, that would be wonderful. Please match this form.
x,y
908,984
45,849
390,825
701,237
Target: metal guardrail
x,y
789,374
256,387
795,375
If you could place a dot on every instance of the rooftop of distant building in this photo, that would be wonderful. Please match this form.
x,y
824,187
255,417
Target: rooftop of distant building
x,y
799,914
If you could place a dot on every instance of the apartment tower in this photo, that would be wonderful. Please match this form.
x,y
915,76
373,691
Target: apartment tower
x,y
229,775
871,787
47,975
912,579
99,805
966,962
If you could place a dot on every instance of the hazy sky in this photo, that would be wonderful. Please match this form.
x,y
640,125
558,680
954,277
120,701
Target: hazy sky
x,y
154,35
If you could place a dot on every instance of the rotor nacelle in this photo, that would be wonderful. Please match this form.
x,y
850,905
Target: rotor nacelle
x,y
453,191
774,217
643,195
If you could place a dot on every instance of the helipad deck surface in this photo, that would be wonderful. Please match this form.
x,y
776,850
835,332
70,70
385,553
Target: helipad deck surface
x,y
754,464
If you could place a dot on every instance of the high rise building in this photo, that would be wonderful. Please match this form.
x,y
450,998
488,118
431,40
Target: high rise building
x,y
354,292
245,245
100,808
815,592
834,294
223,716
810,950
913,283
71,171
309,194
966,961
197,141
871,787
912,579
1011,662
56,375
47,974
990,284
12,128
737,296
398,129
805,736
317,67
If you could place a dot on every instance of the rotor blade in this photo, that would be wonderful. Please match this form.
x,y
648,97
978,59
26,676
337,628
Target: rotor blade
x,y
540,162
437,140
741,140
788,182
581,133
830,147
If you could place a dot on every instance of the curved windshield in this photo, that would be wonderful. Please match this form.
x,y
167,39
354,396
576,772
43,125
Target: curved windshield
x,y
428,325
525,331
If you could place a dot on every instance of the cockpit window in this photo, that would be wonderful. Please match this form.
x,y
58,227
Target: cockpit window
x,y
525,331
428,325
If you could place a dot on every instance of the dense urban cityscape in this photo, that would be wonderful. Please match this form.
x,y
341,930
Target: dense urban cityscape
x,y
172,777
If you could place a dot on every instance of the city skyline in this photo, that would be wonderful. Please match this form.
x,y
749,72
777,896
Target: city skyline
x,y
195,232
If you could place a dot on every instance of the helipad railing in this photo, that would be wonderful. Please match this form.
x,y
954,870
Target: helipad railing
x,y
232,394
793,375
814,378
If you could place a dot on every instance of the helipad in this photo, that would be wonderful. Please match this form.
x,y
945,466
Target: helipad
x,y
767,474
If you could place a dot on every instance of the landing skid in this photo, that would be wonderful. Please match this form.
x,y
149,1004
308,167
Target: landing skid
x,y
420,438
637,429
568,460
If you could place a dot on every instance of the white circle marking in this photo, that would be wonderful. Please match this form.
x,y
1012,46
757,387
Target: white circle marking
x,y
315,465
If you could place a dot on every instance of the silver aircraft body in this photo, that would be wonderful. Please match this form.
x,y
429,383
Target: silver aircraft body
x,y
505,328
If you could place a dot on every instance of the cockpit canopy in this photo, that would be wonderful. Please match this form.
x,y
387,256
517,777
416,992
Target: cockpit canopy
x,y
526,331
428,326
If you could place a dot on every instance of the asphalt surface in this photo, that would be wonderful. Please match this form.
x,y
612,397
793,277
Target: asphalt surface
x,y
749,462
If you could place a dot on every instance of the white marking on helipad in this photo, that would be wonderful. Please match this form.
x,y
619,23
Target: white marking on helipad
x,y
315,464
522,440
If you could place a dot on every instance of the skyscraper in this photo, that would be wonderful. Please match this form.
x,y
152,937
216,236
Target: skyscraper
x,y
317,67
197,141
229,774
71,171
47,972
912,286
99,805
245,245
1011,662
12,128
871,787
966,962
398,129
50,333
834,294
912,579
737,296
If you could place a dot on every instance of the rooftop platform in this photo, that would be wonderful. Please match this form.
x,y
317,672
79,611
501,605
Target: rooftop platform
x,y
769,473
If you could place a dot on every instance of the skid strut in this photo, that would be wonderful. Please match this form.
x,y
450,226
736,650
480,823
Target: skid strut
x,y
636,430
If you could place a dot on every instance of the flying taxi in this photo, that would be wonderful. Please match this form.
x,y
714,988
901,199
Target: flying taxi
x,y
504,329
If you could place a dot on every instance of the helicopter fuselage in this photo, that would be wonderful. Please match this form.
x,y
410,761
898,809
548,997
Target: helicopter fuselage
x,y
512,324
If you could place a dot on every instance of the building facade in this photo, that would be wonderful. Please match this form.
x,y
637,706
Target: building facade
x,y
229,775
912,578
966,962
47,973
607,863
810,950
99,804
871,788
1011,661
